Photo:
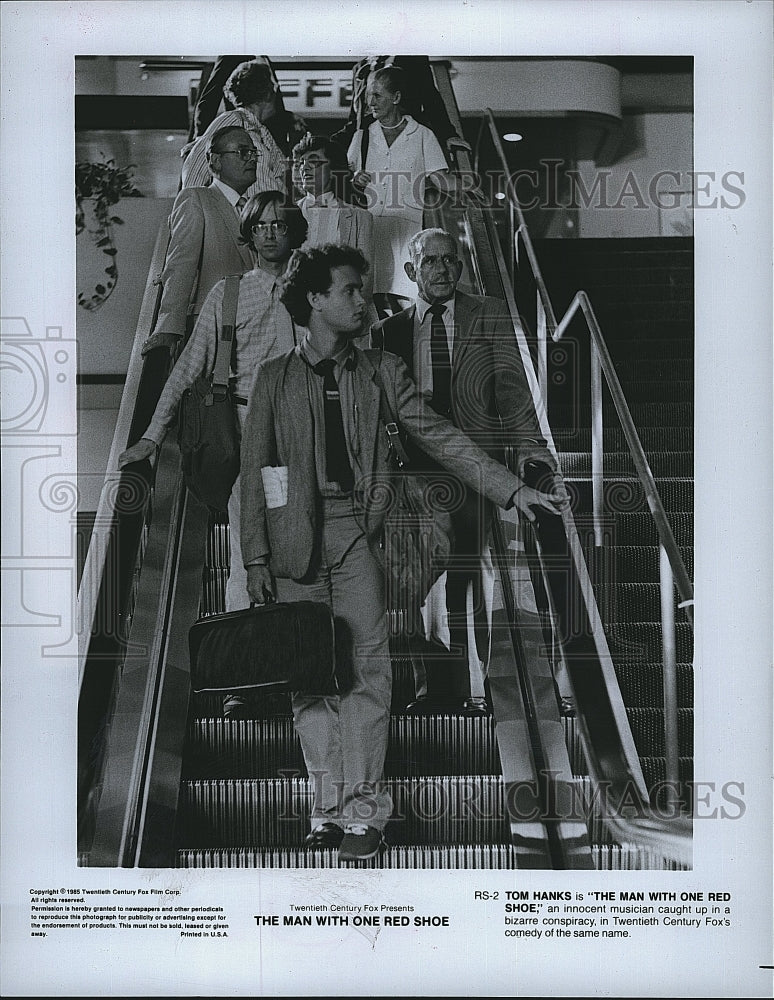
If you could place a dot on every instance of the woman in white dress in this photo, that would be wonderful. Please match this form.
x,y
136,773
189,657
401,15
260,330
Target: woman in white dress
x,y
392,161
321,171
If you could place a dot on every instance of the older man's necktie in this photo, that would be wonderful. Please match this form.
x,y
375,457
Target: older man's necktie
x,y
338,469
441,362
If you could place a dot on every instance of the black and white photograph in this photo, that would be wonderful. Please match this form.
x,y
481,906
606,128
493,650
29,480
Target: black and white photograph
x,y
387,499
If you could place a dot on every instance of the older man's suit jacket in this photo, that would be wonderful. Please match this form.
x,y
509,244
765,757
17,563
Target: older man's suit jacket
x,y
490,396
204,246
278,431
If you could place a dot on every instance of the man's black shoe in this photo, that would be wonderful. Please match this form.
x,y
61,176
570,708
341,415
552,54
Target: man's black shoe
x,y
427,705
473,707
324,835
360,843
235,707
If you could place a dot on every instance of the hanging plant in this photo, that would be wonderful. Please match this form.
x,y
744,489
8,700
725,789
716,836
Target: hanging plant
x,y
103,184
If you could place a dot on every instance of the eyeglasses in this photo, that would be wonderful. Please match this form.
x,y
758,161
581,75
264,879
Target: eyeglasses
x,y
244,152
276,227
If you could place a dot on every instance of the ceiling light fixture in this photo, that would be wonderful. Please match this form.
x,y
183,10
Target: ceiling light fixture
x,y
513,137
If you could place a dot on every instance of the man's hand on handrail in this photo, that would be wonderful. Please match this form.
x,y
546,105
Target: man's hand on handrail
x,y
160,339
454,143
538,468
144,448
526,499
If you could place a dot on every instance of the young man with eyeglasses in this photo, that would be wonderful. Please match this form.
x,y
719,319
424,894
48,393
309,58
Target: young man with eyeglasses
x,y
204,242
263,330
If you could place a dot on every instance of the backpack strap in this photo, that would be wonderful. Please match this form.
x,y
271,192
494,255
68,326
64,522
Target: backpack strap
x,y
227,332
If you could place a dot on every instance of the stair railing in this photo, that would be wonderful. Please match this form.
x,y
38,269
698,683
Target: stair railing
x,y
672,570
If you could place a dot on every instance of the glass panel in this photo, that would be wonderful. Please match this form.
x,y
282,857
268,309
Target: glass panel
x,y
154,153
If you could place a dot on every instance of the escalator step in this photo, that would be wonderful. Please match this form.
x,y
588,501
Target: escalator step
x,y
269,748
653,766
642,684
631,857
638,527
274,812
654,368
648,730
654,769
631,602
644,414
657,315
659,391
563,393
442,856
640,642
619,464
630,563
626,495
657,439
652,347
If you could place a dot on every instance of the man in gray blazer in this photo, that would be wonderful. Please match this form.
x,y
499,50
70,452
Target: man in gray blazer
x,y
313,454
462,352
205,243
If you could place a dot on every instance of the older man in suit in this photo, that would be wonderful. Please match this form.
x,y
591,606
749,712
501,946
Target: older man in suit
x,y
462,352
205,244
313,449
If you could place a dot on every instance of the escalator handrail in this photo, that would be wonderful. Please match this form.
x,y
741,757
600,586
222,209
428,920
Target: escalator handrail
x,y
672,836
117,836
556,329
109,505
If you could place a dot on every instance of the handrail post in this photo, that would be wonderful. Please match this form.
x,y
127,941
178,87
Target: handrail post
x,y
669,654
513,256
542,358
597,445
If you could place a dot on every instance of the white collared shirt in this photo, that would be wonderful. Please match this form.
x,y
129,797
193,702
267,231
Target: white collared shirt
x,y
423,363
398,172
228,193
326,200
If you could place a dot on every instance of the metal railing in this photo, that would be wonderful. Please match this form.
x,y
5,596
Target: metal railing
x,y
602,721
672,570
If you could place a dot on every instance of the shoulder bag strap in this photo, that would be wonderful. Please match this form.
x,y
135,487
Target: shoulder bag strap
x,y
364,146
390,422
227,328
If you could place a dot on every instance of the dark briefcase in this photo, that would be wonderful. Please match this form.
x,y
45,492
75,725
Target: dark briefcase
x,y
270,646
